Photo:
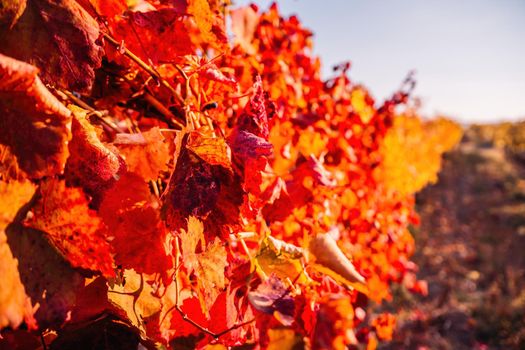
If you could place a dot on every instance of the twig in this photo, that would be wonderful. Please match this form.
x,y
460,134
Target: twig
x,y
186,80
93,111
43,341
162,109
214,335
144,66
155,188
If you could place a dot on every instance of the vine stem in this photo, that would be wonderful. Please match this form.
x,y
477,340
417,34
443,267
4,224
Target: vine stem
x,y
92,110
203,329
126,52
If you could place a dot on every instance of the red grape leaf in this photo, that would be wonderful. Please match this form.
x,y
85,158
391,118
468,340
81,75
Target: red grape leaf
x,y
91,165
252,152
198,188
133,218
247,146
91,301
59,38
74,229
34,124
259,109
249,141
193,189
175,327
206,262
146,154
159,35
315,169
15,305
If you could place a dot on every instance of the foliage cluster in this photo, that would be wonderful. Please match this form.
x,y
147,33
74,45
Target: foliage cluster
x,y
168,183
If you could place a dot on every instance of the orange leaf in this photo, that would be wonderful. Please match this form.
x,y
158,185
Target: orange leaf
x,y
134,300
202,14
384,325
92,164
74,229
104,8
146,154
159,35
213,150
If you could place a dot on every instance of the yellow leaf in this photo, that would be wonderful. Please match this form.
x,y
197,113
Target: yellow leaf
x,y
135,299
285,266
15,305
208,265
284,339
202,14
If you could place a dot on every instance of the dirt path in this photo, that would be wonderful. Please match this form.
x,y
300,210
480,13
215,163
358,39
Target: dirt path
x,y
471,250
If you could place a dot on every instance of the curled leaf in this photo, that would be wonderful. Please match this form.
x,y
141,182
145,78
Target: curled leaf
x,y
326,252
272,297
281,247
92,165
34,124
212,72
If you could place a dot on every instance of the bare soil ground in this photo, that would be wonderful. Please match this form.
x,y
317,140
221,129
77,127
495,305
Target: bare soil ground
x,y
471,250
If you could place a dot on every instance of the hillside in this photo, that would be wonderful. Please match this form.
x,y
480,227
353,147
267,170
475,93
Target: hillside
x,y
470,248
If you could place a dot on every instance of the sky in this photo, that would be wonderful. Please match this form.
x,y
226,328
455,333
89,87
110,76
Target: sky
x,y
469,55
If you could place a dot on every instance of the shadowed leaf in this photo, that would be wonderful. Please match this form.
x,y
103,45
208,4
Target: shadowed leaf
x,y
15,305
34,124
59,38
